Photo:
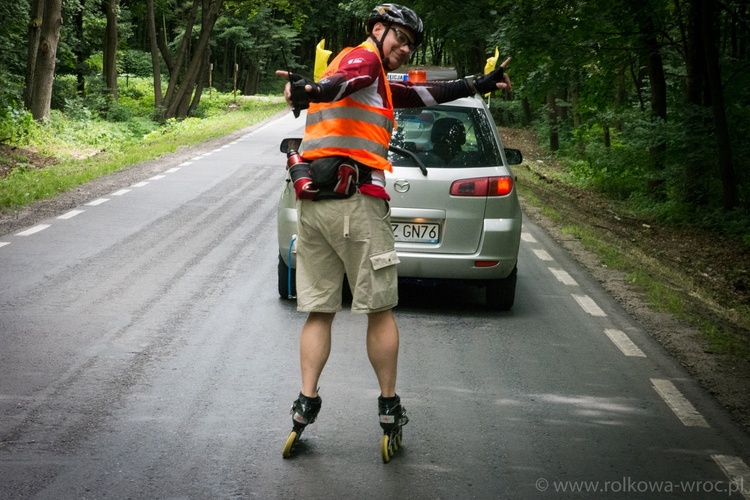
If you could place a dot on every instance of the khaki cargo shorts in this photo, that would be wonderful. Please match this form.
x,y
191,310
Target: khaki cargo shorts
x,y
351,236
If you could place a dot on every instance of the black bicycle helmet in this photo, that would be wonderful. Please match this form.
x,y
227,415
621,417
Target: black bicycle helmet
x,y
391,13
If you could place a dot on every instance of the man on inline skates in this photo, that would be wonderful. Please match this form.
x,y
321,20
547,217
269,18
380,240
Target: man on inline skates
x,y
344,225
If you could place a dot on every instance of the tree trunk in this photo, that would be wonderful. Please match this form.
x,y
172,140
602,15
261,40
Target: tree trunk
x,y
35,28
620,99
158,99
200,80
80,55
252,80
177,103
731,195
656,185
175,65
554,134
528,115
696,189
44,68
110,47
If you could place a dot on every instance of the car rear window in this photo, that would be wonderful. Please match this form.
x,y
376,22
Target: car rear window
x,y
445,137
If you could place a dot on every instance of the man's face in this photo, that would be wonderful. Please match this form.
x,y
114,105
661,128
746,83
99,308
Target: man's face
x,y
397,45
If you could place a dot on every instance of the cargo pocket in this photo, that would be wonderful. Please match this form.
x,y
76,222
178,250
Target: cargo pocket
x,y
385,259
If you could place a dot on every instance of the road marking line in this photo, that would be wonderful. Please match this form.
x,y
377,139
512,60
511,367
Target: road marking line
x,y
71,214
120,192
563,277
157,177
97,202
624,343
685,411
528,238
208,153
35,229
172,170
3,243
737,471
139,184
543,255
588,305
197,158
186,163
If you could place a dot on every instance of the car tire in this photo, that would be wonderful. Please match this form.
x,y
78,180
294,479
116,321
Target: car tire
x,y
501,294
286,291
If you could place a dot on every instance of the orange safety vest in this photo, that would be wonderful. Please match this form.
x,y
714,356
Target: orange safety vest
x,y
349,128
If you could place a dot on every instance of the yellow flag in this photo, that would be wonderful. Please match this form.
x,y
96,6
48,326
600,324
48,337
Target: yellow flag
x,y
321,59
491,62
490,65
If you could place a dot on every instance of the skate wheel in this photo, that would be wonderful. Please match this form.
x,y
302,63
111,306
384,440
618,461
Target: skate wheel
x,y
289,444
395,443
385,448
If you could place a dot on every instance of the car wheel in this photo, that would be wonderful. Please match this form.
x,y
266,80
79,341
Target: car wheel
x,y
501,294
285,290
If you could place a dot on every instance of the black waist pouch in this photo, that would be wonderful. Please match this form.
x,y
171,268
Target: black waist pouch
x,y
338,177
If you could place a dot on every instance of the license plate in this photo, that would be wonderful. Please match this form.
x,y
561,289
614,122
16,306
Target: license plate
x,y
413,232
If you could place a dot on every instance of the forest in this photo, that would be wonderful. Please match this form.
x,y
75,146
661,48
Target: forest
x,y
646,101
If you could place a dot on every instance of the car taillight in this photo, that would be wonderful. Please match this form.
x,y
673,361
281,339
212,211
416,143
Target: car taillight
x,y
483,186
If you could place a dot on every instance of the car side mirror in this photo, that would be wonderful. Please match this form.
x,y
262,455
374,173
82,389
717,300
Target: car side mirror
x,y
290,144
513,156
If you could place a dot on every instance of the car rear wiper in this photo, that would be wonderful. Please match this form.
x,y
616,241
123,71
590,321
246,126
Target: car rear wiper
x,y
410,154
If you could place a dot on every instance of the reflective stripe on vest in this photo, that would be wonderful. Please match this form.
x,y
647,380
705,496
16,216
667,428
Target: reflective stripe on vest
x,y
349,128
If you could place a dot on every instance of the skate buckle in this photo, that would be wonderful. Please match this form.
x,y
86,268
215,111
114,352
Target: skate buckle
x,y
299,418
387,419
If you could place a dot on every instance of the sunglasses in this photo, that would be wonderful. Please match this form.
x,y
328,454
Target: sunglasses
x,y
403,39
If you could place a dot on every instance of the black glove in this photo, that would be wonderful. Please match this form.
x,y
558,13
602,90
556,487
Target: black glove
x,y
487,83
300,97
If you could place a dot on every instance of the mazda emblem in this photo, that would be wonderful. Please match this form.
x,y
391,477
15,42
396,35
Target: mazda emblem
x,y
401,186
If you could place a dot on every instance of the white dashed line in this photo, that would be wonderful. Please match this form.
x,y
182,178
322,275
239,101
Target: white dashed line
x,y
157,177
624,343
35,229
543,255
588,305
3,243
186,163
172,170
97,202
139,184
563,277
120,192
528,238
71,214
737,471
685,411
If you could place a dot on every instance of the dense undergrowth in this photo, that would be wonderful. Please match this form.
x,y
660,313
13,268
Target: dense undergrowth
x,y
86,137
622,171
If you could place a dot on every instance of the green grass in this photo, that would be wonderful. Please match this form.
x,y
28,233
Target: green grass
x,y
665,291
89,148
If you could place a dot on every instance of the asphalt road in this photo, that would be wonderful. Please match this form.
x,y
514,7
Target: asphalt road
x,y
145,353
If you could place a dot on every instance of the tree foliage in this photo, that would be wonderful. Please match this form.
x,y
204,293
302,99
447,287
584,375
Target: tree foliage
x,y
647,100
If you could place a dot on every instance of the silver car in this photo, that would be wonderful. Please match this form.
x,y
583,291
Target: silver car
x,y
454,209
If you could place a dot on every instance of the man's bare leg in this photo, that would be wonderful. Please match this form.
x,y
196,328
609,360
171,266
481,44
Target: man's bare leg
x,y
382,349
315,347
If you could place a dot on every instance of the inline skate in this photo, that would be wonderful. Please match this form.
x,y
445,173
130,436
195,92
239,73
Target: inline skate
x,y
304,412
392,419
